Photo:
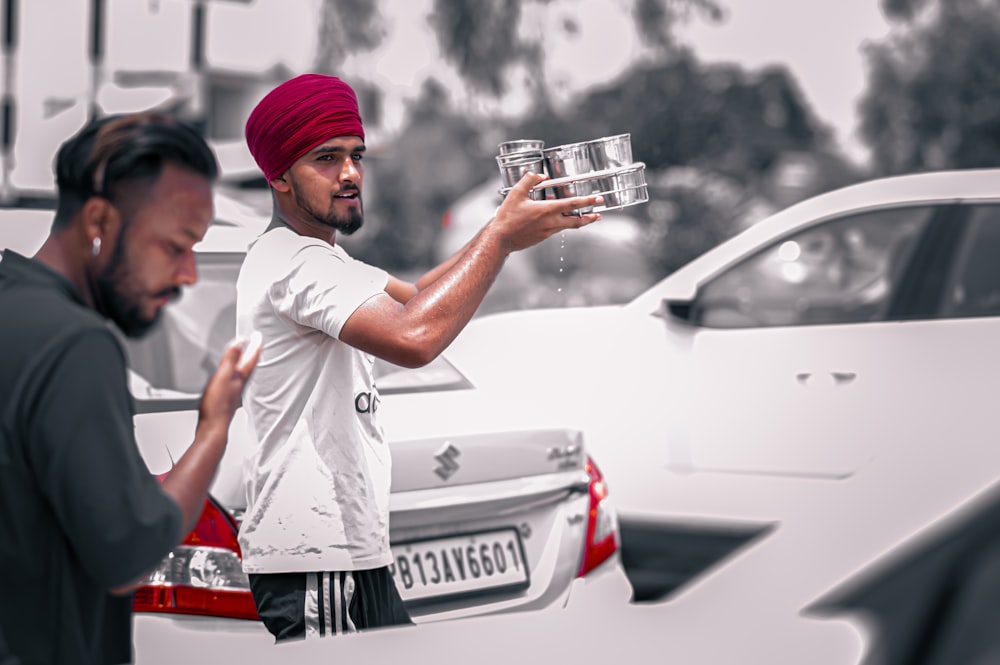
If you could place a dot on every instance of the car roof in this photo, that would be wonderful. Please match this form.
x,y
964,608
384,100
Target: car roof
x,y
981,185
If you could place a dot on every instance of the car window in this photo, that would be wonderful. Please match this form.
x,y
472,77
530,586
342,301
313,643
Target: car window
x,y
973,286
844,270
179,356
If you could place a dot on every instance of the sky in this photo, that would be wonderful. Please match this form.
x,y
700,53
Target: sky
x,y
819,40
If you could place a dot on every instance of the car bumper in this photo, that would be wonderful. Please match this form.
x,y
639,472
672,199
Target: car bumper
x,y
157,636
603,587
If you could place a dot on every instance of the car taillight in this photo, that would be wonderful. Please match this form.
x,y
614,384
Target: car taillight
x,y
203,575
602,524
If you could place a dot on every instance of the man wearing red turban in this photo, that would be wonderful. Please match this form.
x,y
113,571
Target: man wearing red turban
x,y
315,537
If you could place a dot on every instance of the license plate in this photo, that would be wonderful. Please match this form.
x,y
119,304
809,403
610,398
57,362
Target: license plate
x,y
459,565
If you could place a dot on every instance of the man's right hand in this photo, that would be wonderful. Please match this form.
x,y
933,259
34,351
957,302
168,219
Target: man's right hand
x,y
188,481
521,222
223,394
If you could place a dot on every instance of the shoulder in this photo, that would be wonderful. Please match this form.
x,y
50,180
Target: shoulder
x,y
281,251
283,240
46,328
46,315
76,366
93,350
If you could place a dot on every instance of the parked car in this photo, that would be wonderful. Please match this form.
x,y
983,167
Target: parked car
x,y
820,385
482,520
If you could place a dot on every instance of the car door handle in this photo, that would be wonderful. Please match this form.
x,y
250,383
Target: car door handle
x,y
838,378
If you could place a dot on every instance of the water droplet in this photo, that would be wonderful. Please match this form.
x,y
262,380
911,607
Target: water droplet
x,y
562,248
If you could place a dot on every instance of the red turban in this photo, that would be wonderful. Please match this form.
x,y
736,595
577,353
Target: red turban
x,y
299,115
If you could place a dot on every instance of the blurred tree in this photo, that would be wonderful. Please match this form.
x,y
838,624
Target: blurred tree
x,y
902,9
347,26
655,19
933,99
481,39
682,111
485,40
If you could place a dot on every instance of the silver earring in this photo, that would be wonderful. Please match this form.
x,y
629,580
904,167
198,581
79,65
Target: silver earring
x,y
95,247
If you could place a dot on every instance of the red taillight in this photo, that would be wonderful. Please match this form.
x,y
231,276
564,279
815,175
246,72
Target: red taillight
x,y
602,525
203,575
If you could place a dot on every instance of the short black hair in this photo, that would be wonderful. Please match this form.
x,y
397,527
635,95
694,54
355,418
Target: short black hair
x,y
116,150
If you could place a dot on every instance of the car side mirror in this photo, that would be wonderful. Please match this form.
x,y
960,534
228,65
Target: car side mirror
x,y
678,309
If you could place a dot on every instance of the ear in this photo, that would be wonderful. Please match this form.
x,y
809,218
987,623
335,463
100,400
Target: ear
x,y
100,219
280,184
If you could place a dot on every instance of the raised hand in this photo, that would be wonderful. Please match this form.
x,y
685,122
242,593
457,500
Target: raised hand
x,y
224,390
523,222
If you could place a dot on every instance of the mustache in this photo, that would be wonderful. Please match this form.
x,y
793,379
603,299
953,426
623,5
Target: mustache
x,y
348,189
172,293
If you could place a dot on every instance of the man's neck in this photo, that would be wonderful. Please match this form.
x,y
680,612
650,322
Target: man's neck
x,y
303,227
56,256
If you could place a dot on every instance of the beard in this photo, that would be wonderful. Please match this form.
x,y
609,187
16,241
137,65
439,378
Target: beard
x,y
119,300
346,224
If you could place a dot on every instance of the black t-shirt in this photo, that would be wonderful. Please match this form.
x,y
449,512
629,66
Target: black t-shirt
x,y
79,511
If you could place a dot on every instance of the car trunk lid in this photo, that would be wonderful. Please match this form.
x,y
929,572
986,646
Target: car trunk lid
x,y
448,461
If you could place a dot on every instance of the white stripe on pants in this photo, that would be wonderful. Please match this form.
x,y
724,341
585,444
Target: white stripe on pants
x,y
333,600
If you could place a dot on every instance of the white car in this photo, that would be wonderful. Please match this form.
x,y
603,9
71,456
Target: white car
x,y
482,520
787,408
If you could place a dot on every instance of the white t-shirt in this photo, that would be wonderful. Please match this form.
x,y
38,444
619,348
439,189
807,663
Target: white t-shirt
x,y
317,483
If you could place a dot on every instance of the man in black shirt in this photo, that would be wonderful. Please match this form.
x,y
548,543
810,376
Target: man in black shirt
x,y
81,517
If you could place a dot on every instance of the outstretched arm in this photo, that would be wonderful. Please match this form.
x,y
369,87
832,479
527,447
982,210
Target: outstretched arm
x,y
412,324
402,291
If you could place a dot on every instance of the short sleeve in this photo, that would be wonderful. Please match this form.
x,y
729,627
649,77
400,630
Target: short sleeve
x,y
83,454
323,287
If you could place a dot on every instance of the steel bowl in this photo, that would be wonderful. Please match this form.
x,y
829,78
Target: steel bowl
x,y
572,159
515,165
521,145
622,187
610,152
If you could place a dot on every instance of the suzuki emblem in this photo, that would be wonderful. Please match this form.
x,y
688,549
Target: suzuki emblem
x,y
446,458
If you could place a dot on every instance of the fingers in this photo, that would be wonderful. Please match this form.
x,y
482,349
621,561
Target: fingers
x,y
582,219
521,190
569,206
527,181
231,355
251,354
241,355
